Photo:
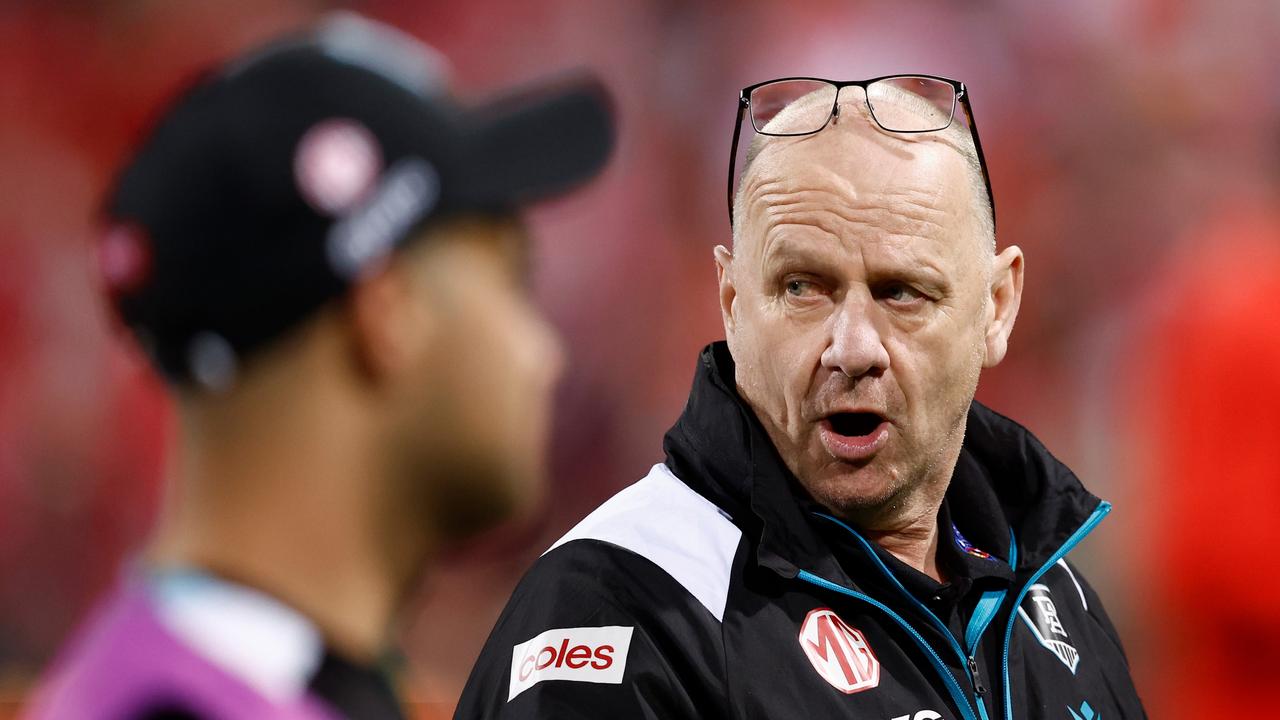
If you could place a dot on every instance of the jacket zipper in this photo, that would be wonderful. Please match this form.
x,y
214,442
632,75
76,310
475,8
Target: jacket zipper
x,y
985,612
953,687
973,672
1096,517
987,608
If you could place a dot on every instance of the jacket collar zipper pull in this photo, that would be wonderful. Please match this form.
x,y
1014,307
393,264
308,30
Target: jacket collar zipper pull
x,y
978,687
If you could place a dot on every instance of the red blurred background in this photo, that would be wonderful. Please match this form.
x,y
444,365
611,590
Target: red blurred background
x,y
1134,148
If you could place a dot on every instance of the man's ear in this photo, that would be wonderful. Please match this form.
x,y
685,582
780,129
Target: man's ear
x,y
727,293
1006,297
390,326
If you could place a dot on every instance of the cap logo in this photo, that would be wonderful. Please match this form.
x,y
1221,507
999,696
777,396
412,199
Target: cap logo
x,y
124,258
407,194
839,653
336,165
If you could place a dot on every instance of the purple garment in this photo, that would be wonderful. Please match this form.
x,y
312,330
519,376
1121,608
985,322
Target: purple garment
x,y
125,662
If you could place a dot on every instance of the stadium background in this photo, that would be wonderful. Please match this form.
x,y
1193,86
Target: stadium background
x,y
1135,154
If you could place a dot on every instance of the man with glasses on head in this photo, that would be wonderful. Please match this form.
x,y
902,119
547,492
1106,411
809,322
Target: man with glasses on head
x,y
838,529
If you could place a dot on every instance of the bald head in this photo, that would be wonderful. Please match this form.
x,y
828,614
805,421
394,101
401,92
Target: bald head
x,y
864,287
813,109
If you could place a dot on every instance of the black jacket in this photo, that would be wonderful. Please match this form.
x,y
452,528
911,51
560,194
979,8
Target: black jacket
x,y
713,588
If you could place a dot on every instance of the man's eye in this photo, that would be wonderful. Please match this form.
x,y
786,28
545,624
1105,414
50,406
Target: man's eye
x,y
801,288
900,292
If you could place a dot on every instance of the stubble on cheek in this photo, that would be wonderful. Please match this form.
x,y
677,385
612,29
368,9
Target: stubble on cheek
x,y
944,418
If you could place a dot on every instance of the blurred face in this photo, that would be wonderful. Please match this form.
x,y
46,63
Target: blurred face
x,y
474,407
860,304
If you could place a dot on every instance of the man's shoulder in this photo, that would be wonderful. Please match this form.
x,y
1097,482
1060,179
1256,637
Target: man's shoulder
x,y
657,526
125,663
624,612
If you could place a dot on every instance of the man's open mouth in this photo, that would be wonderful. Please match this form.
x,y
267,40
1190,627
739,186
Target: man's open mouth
x,y
855,424
854,436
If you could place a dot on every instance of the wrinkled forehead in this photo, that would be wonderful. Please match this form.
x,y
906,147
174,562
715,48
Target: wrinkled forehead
x,y
855,176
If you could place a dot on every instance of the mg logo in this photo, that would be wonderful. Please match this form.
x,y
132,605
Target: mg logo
x,y
838,652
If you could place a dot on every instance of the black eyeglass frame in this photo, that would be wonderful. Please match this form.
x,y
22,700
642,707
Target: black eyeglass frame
x,y
961,95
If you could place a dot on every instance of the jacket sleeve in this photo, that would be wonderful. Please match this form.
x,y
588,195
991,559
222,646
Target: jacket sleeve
x,y
594,631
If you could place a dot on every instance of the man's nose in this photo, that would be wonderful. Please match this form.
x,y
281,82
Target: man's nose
x,y
856,347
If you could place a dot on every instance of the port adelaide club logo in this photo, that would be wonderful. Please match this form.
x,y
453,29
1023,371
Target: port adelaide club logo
x,y
839,653
1047,626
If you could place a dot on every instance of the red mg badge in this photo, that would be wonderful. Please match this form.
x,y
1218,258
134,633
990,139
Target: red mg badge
x,y
839,653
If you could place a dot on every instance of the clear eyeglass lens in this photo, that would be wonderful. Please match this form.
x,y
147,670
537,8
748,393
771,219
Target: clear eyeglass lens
x,y
912,104
775,109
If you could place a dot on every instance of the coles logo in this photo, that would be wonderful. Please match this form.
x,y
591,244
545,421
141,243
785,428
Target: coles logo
x,y
585,654
838,652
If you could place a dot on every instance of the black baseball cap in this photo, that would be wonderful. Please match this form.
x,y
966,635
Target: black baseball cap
x,y
269,186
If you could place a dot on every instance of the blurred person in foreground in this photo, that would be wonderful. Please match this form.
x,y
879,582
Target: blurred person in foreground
x,y
838,529
321,251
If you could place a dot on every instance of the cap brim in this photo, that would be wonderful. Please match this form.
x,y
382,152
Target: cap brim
x,y
536,144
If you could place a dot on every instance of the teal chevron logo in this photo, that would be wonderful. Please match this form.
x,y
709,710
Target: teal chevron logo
x,y
1086,713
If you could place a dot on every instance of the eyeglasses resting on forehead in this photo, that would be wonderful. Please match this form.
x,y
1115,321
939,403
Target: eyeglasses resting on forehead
x,y
934,110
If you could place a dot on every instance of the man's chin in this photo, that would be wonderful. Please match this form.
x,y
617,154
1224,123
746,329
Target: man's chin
x,y
482,494
853,491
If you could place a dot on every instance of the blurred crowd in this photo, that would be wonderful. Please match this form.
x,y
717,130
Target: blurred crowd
x,y
1134,151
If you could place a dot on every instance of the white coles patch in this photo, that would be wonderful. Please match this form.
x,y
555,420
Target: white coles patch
x,y
838,652
585,654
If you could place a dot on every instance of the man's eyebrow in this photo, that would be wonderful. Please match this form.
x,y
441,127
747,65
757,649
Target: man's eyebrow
x,y
890,260
914,272
782,247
